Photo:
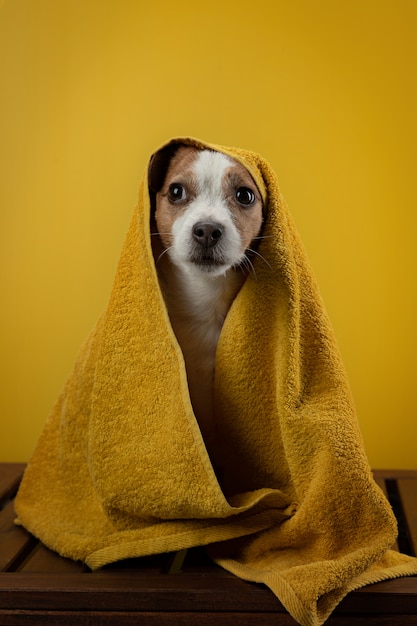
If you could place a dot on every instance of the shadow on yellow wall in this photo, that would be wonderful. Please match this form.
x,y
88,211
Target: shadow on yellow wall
x,y
326,91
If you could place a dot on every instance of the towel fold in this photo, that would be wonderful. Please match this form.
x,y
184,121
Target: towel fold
x,y
121,469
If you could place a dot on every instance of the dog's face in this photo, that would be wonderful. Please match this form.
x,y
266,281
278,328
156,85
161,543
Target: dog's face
x,y
208,210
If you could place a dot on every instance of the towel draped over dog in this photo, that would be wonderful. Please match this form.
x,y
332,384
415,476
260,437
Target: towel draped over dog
x,y
121,469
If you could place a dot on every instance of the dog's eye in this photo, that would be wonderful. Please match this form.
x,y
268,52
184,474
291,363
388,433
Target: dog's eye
x,y
176,192
245,196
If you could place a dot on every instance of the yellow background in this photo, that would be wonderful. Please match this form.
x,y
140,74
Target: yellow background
x,y
325,90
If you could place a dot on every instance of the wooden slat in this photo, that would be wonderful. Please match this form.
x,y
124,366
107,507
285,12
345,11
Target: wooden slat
x,y
15,542
10,477
394,473
164,593
116,618
140,591
408,492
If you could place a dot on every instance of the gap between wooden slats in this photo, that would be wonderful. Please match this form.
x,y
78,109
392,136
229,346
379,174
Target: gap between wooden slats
x,y
407,488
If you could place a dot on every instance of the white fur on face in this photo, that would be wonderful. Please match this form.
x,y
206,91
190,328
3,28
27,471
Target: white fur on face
x,y
208,212
209,205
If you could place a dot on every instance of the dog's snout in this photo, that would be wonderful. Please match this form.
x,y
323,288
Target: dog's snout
x,y
207,234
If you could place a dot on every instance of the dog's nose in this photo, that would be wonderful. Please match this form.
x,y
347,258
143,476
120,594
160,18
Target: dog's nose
x,y
207,234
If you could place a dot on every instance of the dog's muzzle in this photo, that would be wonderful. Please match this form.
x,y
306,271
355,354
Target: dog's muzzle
x,y
207,250
207,234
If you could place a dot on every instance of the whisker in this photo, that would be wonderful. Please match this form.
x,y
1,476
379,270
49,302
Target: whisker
x,y
162,254
260,256
248,265
252,268
242,265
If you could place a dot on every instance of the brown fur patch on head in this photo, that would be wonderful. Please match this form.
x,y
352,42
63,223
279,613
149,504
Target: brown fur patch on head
x,y
179,171
248,220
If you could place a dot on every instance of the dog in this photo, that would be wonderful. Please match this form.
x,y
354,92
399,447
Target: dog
x,y
207,216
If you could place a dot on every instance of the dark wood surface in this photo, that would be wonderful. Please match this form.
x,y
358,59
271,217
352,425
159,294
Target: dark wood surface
x,y
37,587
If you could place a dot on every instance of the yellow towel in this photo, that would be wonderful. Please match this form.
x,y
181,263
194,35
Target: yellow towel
x,y
121,469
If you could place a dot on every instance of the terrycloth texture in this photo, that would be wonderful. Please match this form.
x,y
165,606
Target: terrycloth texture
x,y
121,469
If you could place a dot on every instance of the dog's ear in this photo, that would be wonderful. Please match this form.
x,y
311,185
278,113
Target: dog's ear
x,y
158,166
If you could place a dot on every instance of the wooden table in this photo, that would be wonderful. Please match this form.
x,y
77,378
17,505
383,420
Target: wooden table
x,y
37,587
